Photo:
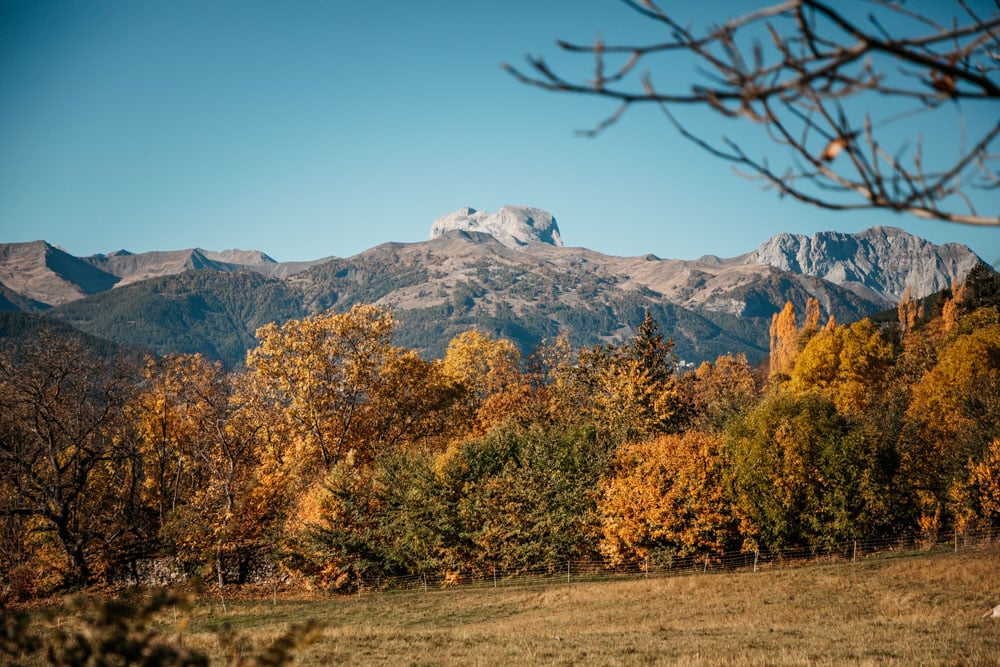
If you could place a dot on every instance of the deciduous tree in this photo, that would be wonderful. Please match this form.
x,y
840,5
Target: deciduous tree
x,y
847,364
67,476
802,474
488,374
666,497
200,460
720,391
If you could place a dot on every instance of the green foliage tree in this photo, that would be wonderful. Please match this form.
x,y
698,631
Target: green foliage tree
x,y
804,475
524,498
366,522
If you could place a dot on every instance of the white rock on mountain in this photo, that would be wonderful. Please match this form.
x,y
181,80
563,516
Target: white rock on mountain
x,y
880,260
513,226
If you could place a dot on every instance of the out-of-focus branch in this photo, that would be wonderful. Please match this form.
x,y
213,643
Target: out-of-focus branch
x,y
801,69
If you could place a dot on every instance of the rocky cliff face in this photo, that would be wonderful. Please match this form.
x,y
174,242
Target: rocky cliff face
x,y
880,261
513,226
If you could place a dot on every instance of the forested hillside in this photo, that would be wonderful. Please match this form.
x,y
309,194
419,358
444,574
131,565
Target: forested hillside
x,y
206,312
338,456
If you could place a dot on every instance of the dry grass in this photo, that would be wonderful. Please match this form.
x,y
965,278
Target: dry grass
x,y
916,610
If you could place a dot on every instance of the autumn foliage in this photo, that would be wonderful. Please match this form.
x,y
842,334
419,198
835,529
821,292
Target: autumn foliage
x,y
335,459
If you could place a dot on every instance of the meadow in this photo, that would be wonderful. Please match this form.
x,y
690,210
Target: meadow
x,y
916,609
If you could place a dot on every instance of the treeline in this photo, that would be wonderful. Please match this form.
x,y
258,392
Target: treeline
x,y
339,457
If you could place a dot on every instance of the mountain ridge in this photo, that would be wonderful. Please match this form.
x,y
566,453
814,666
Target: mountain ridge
x,y
196,300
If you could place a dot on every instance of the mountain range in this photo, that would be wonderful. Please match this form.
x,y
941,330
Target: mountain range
x,y
507,274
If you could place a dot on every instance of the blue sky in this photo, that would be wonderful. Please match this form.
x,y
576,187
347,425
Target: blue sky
x,y
306,129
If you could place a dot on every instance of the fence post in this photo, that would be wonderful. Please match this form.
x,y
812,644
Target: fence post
x,y
755,555
494,576
956,540
705,569
854,555
647,568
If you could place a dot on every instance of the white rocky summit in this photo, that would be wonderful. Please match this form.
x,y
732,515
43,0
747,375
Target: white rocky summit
x,y
513,226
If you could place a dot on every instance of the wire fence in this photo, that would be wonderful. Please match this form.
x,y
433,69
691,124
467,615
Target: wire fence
x,y
748,561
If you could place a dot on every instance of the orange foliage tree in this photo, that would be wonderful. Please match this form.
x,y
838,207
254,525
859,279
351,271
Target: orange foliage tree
x,y
719,391
666,497
199,457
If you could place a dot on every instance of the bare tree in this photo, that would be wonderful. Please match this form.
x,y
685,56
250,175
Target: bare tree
x,y
66,476
810,75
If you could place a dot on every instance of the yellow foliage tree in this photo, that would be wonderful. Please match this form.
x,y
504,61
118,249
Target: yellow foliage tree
x,y
320,371
336,384
967,362
720,391
199,459
847,364
943,430
784,341
488,376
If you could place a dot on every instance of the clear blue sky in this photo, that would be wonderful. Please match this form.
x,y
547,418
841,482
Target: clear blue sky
x,y
314,128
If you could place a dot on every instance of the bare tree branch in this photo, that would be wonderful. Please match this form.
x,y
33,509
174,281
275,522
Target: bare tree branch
x,y
810,75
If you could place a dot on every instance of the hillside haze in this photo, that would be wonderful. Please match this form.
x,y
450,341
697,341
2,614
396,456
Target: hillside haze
x,y
506,274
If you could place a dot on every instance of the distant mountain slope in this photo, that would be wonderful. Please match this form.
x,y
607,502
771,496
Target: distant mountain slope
x,y
882,260
462,280
199,301
16,326
130,268
466,279
48,275
44,275
207,312
13,301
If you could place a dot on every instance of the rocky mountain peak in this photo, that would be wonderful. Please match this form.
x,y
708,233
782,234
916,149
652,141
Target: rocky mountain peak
x,y
513,226
882,260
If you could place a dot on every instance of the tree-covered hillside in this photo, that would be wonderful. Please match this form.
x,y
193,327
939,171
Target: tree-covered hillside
x,y
204,312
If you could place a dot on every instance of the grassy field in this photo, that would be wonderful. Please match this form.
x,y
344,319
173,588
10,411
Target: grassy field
x,y
909,610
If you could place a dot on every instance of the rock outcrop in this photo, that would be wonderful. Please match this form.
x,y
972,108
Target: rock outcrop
x,y
513,226
881,260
